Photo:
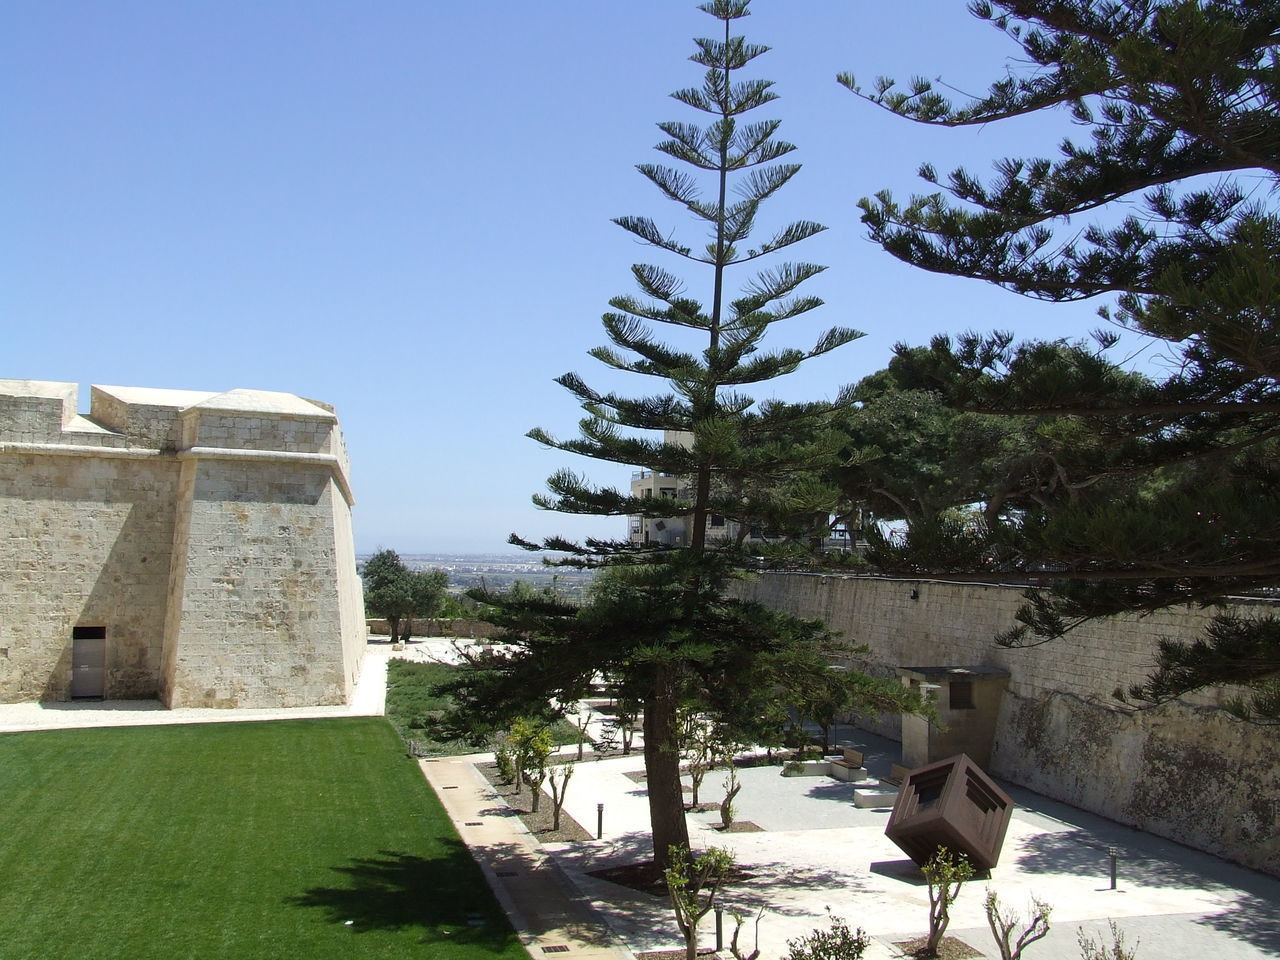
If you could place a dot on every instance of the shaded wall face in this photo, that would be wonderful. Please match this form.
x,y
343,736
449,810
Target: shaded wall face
x,y
355,632
87,543
1183,770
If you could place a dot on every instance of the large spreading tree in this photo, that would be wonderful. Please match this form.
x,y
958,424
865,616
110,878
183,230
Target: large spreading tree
x,y
1169,489
663,630
397,594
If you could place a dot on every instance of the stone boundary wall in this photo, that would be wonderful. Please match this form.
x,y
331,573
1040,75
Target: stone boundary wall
x,y
1184,770
430,627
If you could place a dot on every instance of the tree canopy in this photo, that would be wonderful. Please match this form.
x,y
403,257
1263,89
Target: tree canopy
x,y
665,631
1163,488
397,594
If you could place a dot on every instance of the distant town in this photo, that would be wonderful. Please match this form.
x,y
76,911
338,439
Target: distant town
x,y
498,571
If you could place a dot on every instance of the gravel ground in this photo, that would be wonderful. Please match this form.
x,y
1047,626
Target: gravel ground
x,y
520,800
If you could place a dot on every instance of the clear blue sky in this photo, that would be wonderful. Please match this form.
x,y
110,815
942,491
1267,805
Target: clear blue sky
x,y
402,208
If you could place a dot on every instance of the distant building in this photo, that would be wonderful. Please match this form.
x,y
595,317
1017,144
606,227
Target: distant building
x,y
189,546
676,531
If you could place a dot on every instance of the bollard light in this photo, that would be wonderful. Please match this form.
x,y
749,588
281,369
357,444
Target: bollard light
x,y
599,821
719,928
1114,854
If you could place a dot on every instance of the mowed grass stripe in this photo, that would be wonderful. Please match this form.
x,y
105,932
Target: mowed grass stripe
x,y
236,840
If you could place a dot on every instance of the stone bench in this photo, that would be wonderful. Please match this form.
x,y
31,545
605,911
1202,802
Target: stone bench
x,y
897,773
848,766
873,793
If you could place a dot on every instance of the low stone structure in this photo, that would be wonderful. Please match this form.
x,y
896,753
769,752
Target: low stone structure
x,y
1184,770
967,700
186,545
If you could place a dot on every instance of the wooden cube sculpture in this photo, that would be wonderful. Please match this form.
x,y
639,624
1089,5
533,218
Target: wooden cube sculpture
x,y
951,804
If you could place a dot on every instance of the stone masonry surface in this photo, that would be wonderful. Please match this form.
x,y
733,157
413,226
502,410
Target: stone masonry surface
x,y
208,535
1183,770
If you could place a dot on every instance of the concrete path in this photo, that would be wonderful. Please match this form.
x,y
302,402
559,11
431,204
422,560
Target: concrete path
x,y
817,851
367,699
549,915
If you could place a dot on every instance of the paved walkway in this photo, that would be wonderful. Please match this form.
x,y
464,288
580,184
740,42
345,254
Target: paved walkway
x,y
817,851
549,915
368,699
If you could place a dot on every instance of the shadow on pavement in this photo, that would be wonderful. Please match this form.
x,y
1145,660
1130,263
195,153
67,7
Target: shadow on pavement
x,y
1251,919
1083,854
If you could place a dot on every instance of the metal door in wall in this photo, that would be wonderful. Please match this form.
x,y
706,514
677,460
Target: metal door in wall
x,y
88,661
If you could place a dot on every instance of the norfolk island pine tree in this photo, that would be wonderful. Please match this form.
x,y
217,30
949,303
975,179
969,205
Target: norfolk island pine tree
x,y
1170,493
663,629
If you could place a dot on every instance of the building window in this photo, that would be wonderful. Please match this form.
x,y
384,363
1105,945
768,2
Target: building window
x,y
717,520
961,694
668,493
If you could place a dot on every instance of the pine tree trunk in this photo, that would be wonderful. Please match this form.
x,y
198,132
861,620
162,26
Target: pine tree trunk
x,y
662,769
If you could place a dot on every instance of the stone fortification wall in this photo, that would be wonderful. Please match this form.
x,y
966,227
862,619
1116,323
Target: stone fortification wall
x,y
208,535
87,541
431,627
255,611
1183,770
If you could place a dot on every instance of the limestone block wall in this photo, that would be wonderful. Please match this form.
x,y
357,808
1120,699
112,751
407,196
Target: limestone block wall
x,y
256,618
260,433
155,425
1183,770
208,535
354,632
431,627
87,543
36,411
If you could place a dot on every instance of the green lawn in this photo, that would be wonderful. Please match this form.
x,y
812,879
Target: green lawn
x,y
411,704
233,841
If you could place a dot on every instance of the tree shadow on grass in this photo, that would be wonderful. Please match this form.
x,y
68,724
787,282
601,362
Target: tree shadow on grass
x,y
445,897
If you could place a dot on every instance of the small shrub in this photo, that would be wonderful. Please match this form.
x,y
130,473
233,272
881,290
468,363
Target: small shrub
x,y
505,759
1091,949
838,943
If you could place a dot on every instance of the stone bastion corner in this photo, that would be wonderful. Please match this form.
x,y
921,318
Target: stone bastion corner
x,y
193,546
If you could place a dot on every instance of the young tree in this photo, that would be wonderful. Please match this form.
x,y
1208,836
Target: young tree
x,y
558,777
699,748
664,627
946,872
531,748
739,920
397,594
693,883
1003,922
732,787
1178,500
